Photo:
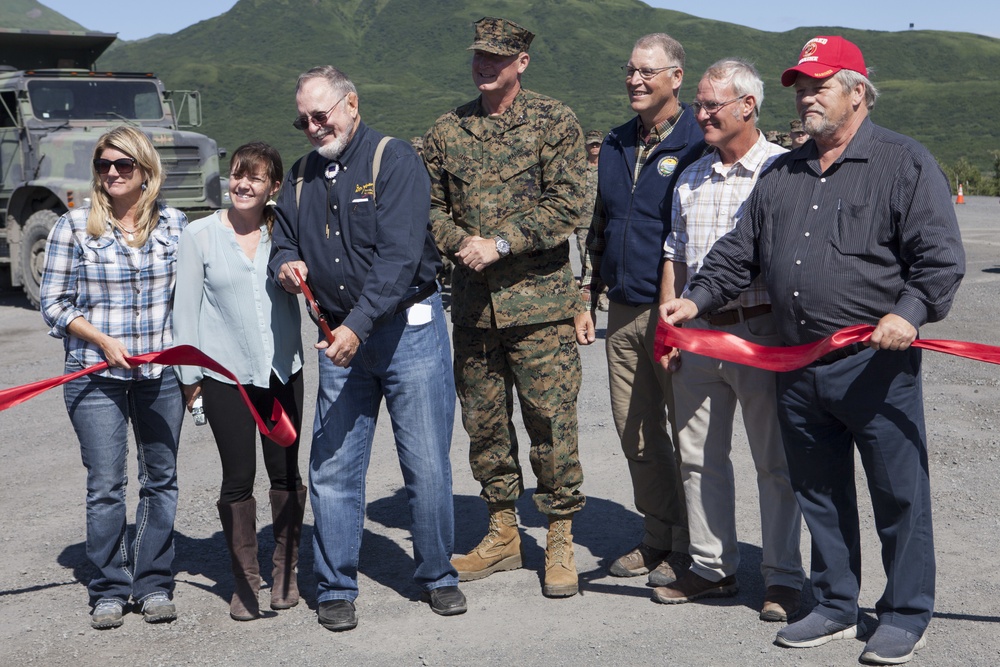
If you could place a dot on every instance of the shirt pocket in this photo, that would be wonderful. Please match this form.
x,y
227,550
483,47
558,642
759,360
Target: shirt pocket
x,y
165,246
458,183
361,224
101,250
858,229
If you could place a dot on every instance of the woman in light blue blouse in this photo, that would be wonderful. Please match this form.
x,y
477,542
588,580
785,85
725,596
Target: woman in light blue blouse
x,y
106,291
226,306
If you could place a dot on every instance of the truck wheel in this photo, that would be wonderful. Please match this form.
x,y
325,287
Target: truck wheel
x,y
36,230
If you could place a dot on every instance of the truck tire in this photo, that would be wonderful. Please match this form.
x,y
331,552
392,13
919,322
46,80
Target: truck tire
x,y
36,231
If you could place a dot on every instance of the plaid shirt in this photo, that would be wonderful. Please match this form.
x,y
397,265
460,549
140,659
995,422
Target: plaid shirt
x,y
124,292
599,222
708,200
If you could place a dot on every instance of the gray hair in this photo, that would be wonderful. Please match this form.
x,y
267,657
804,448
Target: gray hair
x,y
742,76
665,43
337,80
849,78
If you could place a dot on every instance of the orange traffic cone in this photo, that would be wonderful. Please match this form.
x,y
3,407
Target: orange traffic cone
x,y
961,197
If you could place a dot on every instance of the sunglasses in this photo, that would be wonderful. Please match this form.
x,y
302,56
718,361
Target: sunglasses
x,y
320,118
124,166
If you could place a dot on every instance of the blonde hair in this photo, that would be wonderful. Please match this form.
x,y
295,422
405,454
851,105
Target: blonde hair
x,y
137,146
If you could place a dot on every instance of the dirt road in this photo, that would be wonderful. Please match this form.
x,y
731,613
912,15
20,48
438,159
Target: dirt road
x,y
43,602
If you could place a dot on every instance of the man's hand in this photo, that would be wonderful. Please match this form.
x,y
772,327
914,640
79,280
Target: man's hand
x,y
477,253
676,311
583,324
671,361
892,333
343,348
287,279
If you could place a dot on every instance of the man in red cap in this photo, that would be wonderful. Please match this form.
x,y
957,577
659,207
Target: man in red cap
x,y
856,226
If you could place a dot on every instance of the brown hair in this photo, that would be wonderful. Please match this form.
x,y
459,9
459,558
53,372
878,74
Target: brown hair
x,y
255,157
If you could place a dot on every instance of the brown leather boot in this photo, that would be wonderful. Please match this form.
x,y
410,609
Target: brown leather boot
x,y
286,515
239,524
499,550
561,580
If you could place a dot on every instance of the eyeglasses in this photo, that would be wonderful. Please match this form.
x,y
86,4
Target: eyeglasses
x,y
712,108
645,73
302,122
124,166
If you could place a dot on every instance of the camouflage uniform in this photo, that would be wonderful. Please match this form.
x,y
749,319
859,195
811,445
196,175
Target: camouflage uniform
x,y
519,176
590,196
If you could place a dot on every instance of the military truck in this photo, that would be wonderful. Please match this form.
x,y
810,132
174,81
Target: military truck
x,y
54,105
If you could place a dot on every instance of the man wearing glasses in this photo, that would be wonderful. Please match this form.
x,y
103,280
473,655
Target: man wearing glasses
x,y
708,200
507,186
364,246
639,163
855,227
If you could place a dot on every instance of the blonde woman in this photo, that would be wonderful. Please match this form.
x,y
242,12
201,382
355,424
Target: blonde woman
x,y
107,292
226,306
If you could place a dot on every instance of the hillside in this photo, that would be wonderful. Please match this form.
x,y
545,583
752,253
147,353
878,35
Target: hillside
x,y
33,15
410,64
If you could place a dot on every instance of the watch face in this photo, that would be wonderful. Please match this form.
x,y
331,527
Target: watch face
x,y
503,248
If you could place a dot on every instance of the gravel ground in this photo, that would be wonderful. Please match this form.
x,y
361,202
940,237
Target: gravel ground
x,y
43,600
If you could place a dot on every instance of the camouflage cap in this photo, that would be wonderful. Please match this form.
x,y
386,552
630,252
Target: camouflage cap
x,y
795,126
500,36
594,137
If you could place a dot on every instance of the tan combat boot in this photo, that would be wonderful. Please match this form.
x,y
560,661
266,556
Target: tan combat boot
x,y
500,550
560,569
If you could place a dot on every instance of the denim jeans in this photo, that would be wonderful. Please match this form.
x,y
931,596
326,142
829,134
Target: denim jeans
x,y
100,410
410,366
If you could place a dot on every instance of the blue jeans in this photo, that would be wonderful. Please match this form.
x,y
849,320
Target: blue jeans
x,y
100,410
410,366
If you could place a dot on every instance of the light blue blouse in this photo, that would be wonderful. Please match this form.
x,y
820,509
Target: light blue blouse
x,y
225,306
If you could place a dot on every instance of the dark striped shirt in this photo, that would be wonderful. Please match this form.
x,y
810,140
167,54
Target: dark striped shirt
x,y
875,234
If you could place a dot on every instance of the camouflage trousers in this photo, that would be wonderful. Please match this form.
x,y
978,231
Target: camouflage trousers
x,y
542,362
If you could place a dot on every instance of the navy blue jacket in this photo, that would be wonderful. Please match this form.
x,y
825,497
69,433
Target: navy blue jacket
x,y
637,214
365,253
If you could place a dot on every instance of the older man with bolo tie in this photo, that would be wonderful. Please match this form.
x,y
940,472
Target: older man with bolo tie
x,y
855,227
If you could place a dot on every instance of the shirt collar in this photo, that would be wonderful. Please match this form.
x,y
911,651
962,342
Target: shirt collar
x,y
661,130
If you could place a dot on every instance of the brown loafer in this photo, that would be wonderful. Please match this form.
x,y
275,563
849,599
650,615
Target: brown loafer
x,y
781,603
690,587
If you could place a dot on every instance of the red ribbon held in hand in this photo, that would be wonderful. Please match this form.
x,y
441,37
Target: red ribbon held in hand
x,y
282,432
727,347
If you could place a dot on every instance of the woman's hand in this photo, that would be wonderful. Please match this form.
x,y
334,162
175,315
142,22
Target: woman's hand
x,y
191,392
114,352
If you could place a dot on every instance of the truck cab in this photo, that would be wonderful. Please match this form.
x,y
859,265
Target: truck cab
x,y
54,106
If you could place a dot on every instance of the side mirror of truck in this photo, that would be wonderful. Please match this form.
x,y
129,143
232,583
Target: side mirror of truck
x,y
186,107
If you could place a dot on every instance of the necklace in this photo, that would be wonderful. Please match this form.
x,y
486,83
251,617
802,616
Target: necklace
x,y
129,233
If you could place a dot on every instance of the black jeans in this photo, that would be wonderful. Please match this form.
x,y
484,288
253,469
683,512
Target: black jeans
x,y
236,435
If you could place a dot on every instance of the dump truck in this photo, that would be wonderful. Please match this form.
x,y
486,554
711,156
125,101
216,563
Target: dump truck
x,y
54,106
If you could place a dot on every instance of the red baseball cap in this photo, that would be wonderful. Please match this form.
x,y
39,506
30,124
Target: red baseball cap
x,y
824,56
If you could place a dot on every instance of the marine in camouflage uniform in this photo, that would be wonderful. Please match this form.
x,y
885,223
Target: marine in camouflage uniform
x,y
507,187
592,143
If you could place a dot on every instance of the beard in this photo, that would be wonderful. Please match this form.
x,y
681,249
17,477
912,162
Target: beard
x,y
333,149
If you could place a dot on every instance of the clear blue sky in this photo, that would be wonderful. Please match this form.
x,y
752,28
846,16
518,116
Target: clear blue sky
x,y
133,19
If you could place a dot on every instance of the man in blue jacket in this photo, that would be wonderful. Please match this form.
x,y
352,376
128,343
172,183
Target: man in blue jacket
x,y
353,221
639,163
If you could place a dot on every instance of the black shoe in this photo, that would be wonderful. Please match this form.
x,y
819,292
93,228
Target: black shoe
x,y
446,601
337,615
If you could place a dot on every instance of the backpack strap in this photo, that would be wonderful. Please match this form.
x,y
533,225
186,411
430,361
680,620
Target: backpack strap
x,y
300,173
378,162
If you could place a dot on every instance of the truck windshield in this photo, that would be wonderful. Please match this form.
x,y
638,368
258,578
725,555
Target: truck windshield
x,y
58,99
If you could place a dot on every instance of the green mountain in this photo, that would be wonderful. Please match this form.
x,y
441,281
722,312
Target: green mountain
x,y
410,64
33,15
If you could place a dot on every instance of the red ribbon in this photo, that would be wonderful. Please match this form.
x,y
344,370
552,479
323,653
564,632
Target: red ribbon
x,y
727,347
283,432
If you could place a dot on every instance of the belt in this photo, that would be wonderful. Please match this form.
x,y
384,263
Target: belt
x,y
417,294
413,295
736,315
840,353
